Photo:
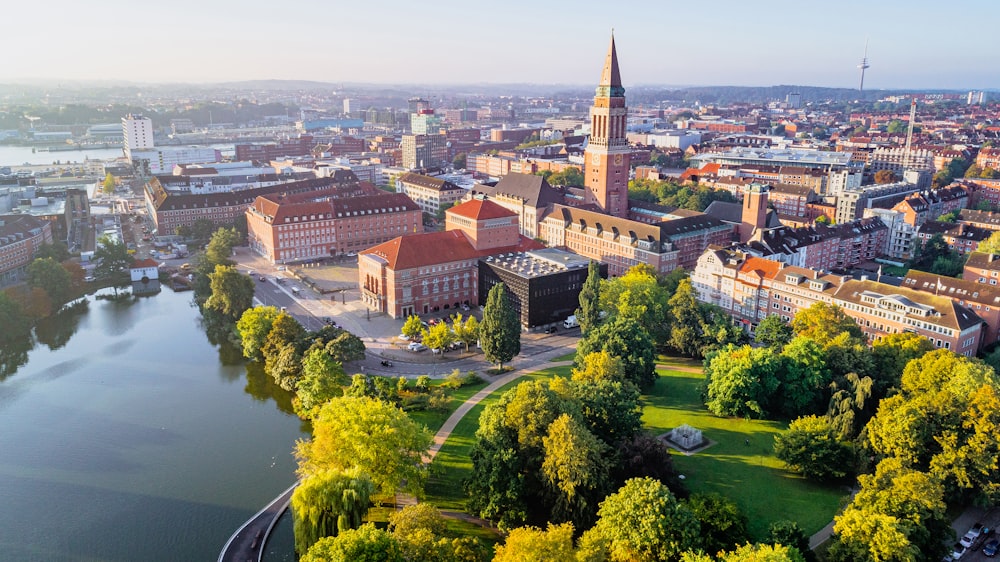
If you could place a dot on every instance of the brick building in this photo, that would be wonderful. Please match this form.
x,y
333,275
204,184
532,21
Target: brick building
x,y
319,224
750,289
171,208
983,299
20,238
434,271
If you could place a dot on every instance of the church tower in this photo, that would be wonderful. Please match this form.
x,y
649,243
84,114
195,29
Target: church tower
x,y
607,166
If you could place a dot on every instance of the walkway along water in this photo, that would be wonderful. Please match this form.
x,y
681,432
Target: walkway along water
x,y
247,543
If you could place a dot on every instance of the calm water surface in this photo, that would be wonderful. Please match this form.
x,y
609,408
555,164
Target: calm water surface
x,y
125,437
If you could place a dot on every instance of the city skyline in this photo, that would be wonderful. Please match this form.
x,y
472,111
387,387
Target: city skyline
x,y
449,43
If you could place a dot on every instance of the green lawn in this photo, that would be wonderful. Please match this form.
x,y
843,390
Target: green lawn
x,y
434,419
749,474
452,464
571,356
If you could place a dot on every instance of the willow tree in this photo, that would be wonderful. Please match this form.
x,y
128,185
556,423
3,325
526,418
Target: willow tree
x,y
328,503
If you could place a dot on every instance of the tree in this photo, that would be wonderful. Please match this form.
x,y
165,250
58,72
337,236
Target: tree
x,y
56,250
935,256
459,161
108,187
686,321
575,469
589,313
599,366
569,176
788,533
364,544
991,245
220,248
500,330
611,409
281,351
345,347
112,257
626,339
741,381
527,544
322,380
16,324
723,525
439,336
232,292
643,521
812,447
823,322
750,553
803,377
51,277
412,327
773,332
203,229
892,353
327,503
253,327
884,176
639,296
466,331
372,435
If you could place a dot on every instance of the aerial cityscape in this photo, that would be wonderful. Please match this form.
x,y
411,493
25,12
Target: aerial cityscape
x,y
417,293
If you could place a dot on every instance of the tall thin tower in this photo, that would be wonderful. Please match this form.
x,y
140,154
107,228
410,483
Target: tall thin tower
x,y
864,66
608,155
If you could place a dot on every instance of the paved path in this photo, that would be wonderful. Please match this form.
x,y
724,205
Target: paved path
x,y
247,543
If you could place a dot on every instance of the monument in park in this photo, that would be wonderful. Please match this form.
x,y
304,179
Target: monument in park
x,y
686,437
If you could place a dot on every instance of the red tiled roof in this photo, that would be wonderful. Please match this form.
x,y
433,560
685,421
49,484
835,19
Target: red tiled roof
x,y
766,268
481,209
138,264
428,248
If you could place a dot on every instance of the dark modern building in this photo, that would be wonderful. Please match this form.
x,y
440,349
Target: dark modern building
x,y
543,285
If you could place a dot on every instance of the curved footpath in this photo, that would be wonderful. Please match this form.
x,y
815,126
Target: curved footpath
x,y
247,543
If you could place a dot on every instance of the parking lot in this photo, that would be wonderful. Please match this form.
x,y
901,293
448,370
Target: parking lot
x,y
989,519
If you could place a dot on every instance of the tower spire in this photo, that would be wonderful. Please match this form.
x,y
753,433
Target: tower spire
x,y
610,76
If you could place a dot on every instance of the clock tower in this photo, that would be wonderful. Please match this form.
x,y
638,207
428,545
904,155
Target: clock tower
x,y
607,166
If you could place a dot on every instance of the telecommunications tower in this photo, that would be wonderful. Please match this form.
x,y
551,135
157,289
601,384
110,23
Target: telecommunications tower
x,y
864,66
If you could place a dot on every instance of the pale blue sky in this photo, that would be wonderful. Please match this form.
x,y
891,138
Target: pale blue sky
x,y
914,43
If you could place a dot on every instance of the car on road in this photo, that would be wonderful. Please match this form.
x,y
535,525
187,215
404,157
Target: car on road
x,y
551,330
281,268
969,538
991,547
416,346
263,279
436,350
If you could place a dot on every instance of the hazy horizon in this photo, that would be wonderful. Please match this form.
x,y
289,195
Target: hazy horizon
x,y
448,43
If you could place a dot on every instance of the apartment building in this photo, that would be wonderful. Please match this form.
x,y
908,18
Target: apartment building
x,y
430,193
750,289
20,238
320,224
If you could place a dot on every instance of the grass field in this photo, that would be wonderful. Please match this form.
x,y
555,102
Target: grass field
x,y
434,419
452,464
741,464
568,357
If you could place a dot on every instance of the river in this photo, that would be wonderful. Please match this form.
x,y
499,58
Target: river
x,y
127,436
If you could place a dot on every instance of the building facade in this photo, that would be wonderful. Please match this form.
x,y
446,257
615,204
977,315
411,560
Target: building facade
x,y
20,238
320,224
430,193
750,289
137,134
424,151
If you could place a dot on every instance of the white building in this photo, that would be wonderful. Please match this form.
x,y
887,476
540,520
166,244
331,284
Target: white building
x,y
137,133
162,160
146,269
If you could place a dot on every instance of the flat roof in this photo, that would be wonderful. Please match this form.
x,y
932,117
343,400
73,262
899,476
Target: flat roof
x,y
538,263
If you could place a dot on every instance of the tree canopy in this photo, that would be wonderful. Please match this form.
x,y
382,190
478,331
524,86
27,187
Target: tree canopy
x,y
589,313
823,322
327,503
51,277
626,339
376,437
500,330
232,292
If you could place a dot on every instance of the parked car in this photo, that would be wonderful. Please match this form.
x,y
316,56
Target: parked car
x,y
436,350
972,535
991,547
957,551
551,330
416,346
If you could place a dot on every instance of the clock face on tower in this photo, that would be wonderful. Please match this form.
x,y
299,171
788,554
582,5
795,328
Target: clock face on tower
x,y
618,159
595,158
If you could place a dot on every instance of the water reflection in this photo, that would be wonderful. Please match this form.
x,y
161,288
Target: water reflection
x,y
262,387
14,354
56,330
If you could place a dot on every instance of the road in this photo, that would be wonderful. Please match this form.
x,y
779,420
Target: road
x,y
247,543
